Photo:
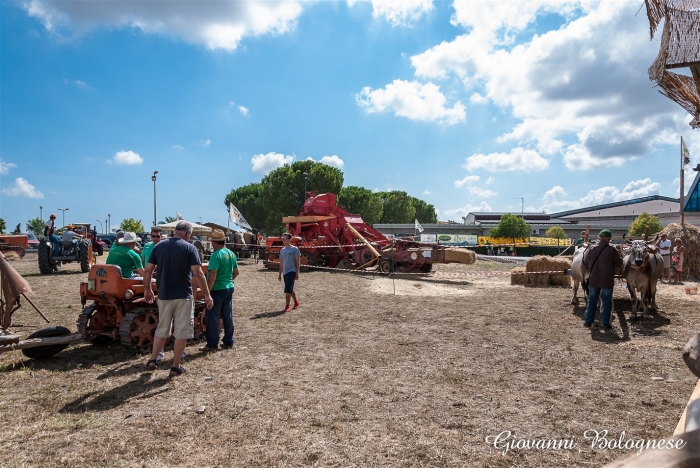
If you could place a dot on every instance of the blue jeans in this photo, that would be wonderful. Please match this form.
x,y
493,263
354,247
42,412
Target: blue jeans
x,y
222,308
56,241
593,294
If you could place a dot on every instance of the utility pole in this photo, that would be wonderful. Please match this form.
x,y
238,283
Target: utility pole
x,y
153,178
522,205
64,214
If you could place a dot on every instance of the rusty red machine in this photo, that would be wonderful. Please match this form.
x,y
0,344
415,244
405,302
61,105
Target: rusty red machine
x,y
329,236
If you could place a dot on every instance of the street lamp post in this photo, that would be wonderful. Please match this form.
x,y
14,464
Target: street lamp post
x,y
306,176
154,197
200,219
101,230
64,214
109,223
41,213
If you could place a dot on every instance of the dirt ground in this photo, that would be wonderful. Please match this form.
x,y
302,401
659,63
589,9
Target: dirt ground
x,y
368,372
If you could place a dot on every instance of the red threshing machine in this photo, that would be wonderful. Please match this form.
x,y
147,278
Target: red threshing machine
x,y
329,236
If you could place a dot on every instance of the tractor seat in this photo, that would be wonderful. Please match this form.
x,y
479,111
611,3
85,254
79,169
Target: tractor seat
x,y
67,243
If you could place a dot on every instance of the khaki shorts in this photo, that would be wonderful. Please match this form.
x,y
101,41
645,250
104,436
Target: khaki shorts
x,y
180,314
667,261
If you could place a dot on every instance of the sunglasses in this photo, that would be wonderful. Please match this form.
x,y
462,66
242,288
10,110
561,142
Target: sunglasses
x,y
155,237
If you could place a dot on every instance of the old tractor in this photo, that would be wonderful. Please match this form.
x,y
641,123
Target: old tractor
x,y
114,309
17,243
98,247
329,236
78,250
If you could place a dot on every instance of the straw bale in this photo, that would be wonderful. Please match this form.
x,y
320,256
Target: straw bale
x,y
545,263
518,276
538,280
691,241
560,280
464,256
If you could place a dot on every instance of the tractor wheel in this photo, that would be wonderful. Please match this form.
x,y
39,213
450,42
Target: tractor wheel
x,y
45,254
386,265
84,256
138,328
99,250
43,352
426,268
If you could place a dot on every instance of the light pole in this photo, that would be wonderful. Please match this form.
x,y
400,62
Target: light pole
x,y
64,214
109,223
100,225
200,219
154,197
522,206
306,176
41,213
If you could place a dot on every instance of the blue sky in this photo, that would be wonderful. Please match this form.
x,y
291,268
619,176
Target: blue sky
x,y
469,105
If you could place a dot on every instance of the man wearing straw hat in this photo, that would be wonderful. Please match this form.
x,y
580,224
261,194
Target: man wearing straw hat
x,y
222,271
124,255
601,260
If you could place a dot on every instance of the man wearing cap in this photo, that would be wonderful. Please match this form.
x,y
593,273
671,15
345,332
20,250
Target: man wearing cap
x,y
124,256
664,245
601,260
222,271
49,232
178,264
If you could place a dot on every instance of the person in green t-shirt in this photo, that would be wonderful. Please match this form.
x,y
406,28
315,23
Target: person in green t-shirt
x,y
222,270
156,236
124,256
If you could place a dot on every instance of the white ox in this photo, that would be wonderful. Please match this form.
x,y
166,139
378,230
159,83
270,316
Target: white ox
x,y
642,267
580,273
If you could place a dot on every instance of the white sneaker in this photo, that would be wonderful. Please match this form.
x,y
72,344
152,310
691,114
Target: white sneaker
x,y
161,356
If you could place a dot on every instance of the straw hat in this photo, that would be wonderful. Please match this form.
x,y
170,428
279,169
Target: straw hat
x,y
218,236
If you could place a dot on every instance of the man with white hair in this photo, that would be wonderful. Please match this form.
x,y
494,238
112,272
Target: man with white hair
x,y
178,263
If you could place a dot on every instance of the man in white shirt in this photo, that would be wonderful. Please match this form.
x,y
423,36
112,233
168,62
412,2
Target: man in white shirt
x,y
69,235
664,245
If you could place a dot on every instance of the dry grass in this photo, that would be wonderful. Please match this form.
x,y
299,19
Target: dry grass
x,y
357,376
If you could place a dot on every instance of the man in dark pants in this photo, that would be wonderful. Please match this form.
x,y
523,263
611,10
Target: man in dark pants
x,y
222,271
289,269
602,260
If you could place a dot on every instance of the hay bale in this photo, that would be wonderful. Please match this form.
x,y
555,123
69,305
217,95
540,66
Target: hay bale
x,y
545,263
560,280
518,276
464,256
690,236
538,280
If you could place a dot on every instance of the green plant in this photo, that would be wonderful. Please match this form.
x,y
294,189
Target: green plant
x,y
644,221
511,226
131,225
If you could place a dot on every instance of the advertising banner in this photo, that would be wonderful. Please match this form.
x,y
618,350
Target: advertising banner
x,y
548,241
519,242
428,237
457,239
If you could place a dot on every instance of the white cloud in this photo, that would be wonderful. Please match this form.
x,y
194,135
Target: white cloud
x,y
79,83
467,180
264,163
554,198
427,192
5,167
179,147
577,91
482,193
401,12
518,159
243,110
416,101
126,158
217,25
466,209
21,188
489,180
205,143
477,98
333,161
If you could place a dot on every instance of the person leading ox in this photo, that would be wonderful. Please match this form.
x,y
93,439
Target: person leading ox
x,y
601,260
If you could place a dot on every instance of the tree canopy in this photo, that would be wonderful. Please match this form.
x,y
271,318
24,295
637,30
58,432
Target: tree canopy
x,y
397,207
425,213
644,221
131,225
555,232
511,226
362,201
3,226
36,226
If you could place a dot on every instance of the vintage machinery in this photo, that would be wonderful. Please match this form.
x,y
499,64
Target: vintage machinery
x,y
71,251
18,243
98,247
114,309
329,236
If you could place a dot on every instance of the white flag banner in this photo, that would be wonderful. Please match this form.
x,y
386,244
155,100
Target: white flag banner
x,y
178,216
419,228
235,216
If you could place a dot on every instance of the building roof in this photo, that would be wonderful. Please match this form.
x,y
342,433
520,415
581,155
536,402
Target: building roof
x,y
622,208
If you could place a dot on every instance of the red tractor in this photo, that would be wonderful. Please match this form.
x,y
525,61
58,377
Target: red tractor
x,y
329,236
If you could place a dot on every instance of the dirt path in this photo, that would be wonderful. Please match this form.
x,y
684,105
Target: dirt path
x,y
368,372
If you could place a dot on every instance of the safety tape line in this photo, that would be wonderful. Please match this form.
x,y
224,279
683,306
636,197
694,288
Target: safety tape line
x,y
369,272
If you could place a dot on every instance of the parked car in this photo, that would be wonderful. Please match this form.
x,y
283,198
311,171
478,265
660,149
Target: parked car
x,y
108,239
32,240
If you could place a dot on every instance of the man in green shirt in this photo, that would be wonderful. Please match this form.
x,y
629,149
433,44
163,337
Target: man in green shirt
x,y
222,270
156,235
123,255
